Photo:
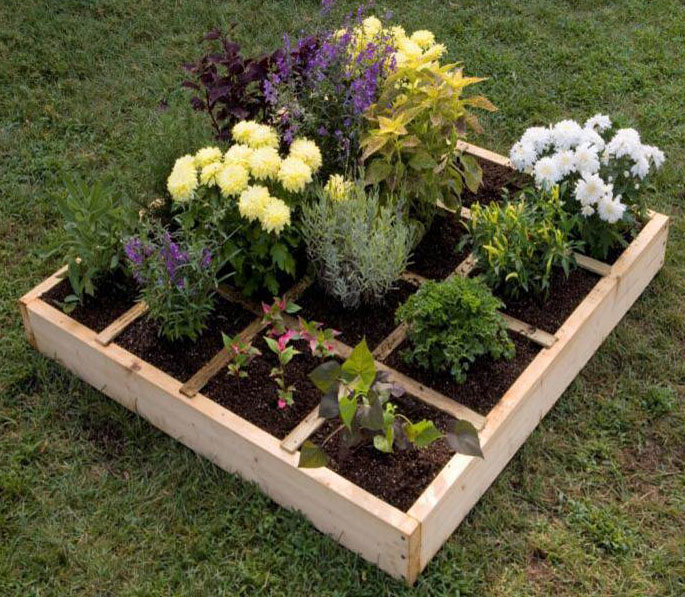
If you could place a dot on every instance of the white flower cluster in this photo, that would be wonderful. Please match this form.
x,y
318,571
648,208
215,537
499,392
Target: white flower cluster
x,y
568,150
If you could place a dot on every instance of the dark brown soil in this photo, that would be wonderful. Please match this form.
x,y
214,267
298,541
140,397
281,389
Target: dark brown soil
x,y
114,295
254,398
437,256
184,358
495,180
373,321
486,382
564,296
398,478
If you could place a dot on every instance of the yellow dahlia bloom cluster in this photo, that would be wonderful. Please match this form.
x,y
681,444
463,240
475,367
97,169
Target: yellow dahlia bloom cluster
x,y
255,135
182,181
256,203
337,188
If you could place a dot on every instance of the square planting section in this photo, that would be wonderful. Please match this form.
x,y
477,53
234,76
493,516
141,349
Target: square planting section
x,y
400,541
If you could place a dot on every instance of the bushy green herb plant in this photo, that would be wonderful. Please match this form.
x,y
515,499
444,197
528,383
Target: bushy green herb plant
x,y
359,248
359,395
519,243
178,280
453,322
94,220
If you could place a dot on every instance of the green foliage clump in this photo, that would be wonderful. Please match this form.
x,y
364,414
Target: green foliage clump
x,y
94,221
453,322
357,394
358,247
519,243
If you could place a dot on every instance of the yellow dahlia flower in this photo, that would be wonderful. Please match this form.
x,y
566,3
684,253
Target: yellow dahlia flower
x,y
209,173
276,216
262,136
232,180
425,39
337,188
252,202
294,174
238,154
206,156
371,26
182,181
243,130
264,163
307,151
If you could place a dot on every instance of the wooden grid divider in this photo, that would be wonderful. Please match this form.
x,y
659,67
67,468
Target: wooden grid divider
x,y
105,337
221,359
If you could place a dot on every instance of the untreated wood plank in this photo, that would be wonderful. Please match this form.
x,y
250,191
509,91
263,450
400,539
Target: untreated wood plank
x,y
537,335
486,154
592,265
391,342
234,296
413,278
466,266
292,442
218,362
121,323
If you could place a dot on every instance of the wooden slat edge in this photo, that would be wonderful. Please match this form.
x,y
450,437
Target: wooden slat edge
x,y
466,266
537,335
390,342
292,442
121,323
485,154
44,286
592,265
217,362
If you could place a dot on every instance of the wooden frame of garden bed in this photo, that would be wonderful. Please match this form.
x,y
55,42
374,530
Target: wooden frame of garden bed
x,y
401,543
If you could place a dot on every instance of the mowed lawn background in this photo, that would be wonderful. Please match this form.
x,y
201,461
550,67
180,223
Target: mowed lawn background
x,y
95,501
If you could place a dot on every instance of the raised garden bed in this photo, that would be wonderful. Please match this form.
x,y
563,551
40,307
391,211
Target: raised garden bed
x,y
190,398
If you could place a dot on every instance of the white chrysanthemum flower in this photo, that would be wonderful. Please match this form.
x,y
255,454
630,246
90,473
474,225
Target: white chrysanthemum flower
x,y
307,151
598,122
238,154
626,142
537,136
566,134
566,162
640,168
587,161
209,173
276,216
587,210
546,172
590,188
610,209
206,156
264,163
232,180
655,154
252,202
592,137
424,38
523,156
244,129
294,174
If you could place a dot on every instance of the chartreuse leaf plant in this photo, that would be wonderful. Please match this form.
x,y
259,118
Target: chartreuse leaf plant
x,y
518,244
359,396
452,323
415,125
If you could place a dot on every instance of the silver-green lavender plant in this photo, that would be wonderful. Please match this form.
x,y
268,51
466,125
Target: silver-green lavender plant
x,y
358,246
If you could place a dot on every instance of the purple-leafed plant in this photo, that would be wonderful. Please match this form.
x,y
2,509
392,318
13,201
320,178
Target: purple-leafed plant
x,y
177,280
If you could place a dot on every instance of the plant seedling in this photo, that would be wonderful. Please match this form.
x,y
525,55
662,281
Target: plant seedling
x,y
241,353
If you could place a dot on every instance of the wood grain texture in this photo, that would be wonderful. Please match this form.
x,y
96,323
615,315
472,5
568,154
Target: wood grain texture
x,y
121,323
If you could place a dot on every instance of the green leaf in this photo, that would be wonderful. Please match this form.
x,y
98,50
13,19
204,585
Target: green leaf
x,y
462,437
371,417
383,443
326,376
329,407
348,408
360,365
422,160
422,434
311,456
279,253
473,174
272,344
377,172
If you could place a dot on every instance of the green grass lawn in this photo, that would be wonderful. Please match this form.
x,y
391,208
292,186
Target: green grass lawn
x,y
94,500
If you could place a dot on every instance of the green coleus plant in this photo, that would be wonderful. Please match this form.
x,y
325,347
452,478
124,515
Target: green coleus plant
x,y
357,394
